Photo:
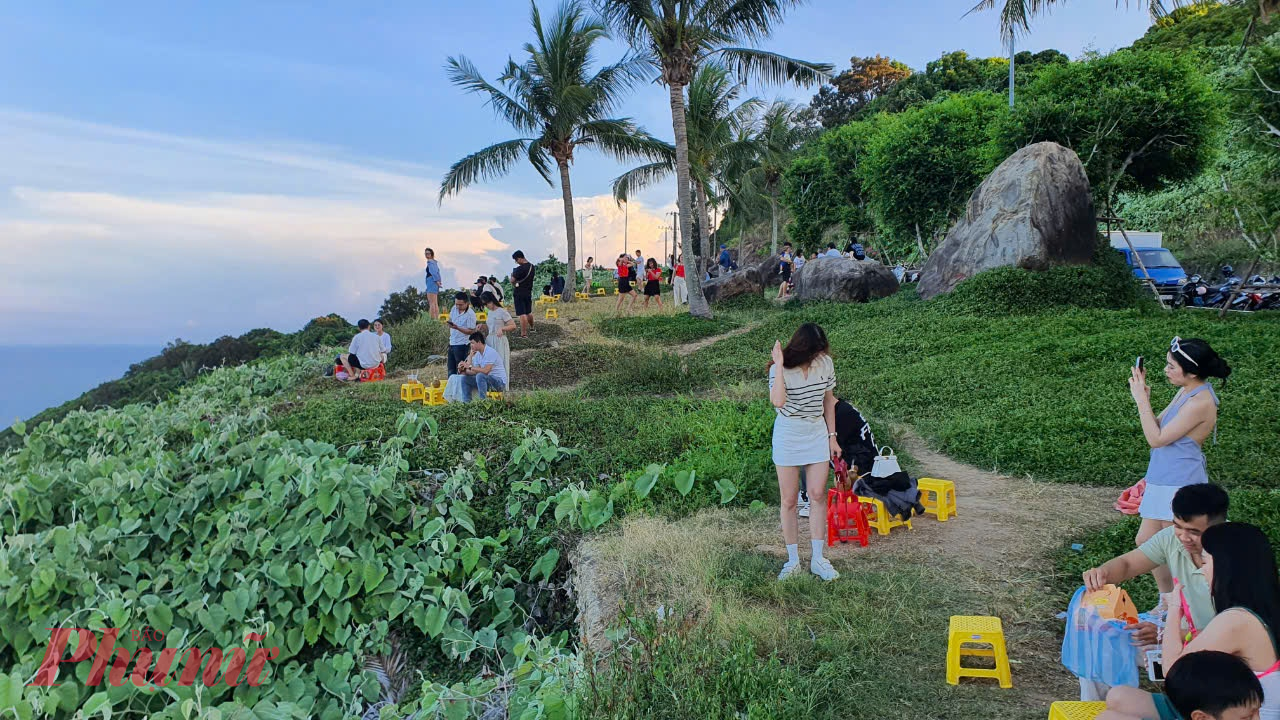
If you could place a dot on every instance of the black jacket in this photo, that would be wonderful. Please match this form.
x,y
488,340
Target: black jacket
x,y
857,442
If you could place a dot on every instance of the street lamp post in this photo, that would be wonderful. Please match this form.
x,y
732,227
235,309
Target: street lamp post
x,y
581,222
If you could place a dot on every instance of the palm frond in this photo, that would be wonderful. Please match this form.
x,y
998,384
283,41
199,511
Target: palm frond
x,y
464,74
631,18
633,181
487,164
625,141
749,20
773,68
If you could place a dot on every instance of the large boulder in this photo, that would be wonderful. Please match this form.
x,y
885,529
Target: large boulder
x,y
844,279
1034,211
766,272
731,285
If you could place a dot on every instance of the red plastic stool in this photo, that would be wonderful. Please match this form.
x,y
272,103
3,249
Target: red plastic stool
x,y
846,514
377,373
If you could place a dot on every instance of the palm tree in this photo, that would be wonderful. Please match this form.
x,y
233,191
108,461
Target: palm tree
x,y
560,106
719,138
1015,15
676,37
776,141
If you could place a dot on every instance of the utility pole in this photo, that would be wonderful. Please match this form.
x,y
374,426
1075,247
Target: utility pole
x,y
626,216
581,237
1011,53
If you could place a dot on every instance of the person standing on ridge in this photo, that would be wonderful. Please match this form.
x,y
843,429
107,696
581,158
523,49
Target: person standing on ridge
x,y
434,283
522,283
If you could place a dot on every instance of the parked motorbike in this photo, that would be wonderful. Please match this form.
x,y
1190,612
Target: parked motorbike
x,y
1218,296
1193,293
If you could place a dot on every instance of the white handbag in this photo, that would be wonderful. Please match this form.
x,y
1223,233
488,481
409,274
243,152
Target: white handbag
x,y
886,464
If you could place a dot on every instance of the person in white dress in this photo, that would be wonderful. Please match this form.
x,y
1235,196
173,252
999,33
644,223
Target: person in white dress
x,y
500,323
384,339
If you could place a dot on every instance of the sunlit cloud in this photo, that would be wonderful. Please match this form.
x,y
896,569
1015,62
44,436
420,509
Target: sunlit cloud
x,y
119,235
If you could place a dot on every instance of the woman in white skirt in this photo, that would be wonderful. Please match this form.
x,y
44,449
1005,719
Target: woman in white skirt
x,y
801,380
500,323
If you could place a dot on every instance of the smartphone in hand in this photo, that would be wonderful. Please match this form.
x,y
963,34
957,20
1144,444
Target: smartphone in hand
x,y
1139,364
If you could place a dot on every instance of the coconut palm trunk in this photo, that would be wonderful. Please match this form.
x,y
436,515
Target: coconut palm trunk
x,y
571,240
773,238
698,306
704,223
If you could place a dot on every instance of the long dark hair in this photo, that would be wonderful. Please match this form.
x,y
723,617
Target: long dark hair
x,y
650,264
1244,571
1204,362
808,342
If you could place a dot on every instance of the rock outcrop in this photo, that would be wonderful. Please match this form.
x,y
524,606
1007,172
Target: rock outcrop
x,y
731,285
1035,211
844,279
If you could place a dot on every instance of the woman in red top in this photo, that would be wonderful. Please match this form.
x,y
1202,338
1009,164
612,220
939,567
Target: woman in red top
x,y
680,291
625,263
652,282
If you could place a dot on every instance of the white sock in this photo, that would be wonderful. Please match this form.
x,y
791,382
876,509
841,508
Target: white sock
x,y
817,549
793,553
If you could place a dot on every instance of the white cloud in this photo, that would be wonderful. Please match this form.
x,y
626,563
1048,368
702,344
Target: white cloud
x,y
119,235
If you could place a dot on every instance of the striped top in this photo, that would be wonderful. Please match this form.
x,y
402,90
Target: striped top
x,y
805,394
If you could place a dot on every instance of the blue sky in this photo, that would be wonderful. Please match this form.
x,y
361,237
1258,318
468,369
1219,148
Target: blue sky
x,y
192,169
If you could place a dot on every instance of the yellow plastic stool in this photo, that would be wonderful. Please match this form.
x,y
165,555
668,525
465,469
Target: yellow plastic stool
x,y
482,316
977,630
551,313
444,317
600,291
1074,710
435,394
879,517
616,291
413,392
494,395
938,497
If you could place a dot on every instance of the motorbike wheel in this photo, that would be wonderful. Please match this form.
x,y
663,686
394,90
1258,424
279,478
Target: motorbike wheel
x,y
1178,301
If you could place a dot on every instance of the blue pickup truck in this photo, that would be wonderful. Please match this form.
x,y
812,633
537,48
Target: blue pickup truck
x,y
1164,268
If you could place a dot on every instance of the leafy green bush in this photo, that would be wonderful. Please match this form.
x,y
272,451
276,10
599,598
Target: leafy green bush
x,y
663,329
415,340
1107,284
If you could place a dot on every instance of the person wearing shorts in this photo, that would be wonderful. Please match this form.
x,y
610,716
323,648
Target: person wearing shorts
x,y
522,282
652,282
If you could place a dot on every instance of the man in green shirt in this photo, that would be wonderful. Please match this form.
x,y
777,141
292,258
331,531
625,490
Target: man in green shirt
x,y
1195,509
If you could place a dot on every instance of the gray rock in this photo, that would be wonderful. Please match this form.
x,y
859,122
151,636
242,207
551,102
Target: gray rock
x,y
766,273
742,282
844,279
435,359
1035,211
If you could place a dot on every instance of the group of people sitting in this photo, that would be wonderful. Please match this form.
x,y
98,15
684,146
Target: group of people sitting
x,y
480,361
1222,614
368,349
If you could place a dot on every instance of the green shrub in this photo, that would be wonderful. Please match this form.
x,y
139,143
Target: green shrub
x,y
412,342
1107,284
663,329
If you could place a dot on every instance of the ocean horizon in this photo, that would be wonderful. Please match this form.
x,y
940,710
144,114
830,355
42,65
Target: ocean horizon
x,y
45,376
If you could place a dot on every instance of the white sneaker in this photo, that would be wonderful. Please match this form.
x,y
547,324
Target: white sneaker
x,y
821,567
802,505
791,568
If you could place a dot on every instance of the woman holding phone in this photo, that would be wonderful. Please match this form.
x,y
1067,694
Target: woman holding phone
x,y
434,283
1175,436
801,379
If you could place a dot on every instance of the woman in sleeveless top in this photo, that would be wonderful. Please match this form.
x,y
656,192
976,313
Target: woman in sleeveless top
x,y
1176,436
434,283
1241,569
801,378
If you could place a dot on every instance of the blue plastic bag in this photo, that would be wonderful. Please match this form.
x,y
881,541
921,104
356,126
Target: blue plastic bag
x,y
1097,649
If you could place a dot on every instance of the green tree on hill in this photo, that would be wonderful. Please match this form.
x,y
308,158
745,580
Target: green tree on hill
x,y
1136,119
554,98
845,97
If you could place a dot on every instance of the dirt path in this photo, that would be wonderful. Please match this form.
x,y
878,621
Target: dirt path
x,y
692,347
1005,525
